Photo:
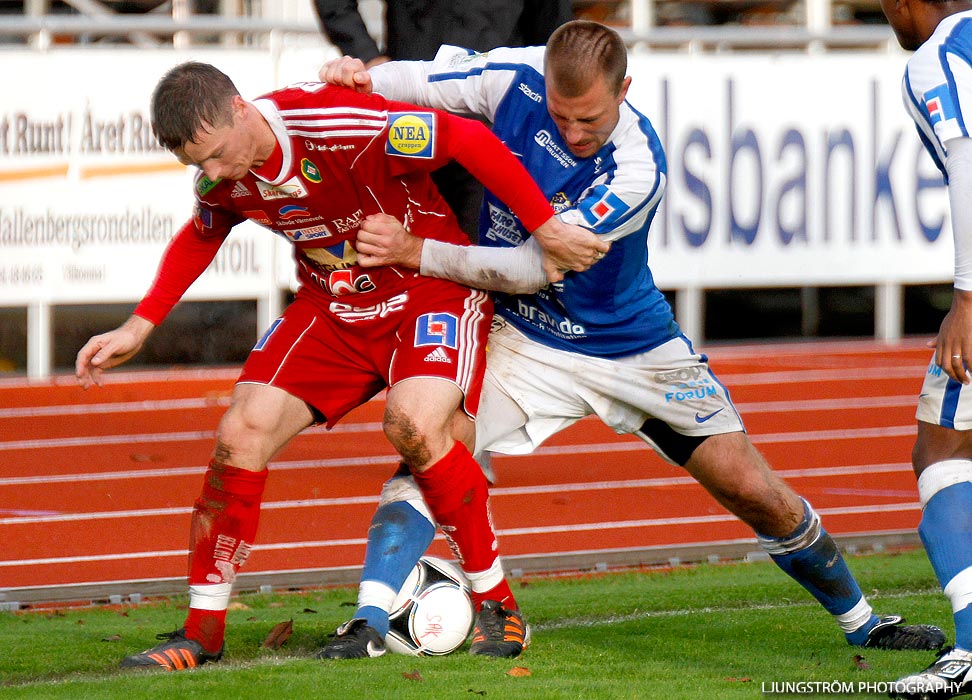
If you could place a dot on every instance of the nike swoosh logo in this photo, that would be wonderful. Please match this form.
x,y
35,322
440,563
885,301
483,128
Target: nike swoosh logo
x,y
703,419
374,650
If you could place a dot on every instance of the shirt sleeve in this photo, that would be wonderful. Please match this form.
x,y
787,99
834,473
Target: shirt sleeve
x,y
515,270
959,166
479,151
187,256
623,199
949,102
458,80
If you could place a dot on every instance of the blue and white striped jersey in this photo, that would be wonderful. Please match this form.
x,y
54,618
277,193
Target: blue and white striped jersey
x,y
937,85
613,309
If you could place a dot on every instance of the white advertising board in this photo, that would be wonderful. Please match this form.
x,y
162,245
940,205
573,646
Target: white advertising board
x,y
88,200
783,170
790,170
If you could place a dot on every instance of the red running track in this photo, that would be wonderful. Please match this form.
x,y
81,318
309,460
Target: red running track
x,y
96,487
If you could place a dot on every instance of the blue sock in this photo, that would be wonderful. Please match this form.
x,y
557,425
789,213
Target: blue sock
x,y
810,557
946,532
397,538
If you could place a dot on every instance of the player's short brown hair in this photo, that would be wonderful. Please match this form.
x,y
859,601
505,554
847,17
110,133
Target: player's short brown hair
x,y
188,97
579,52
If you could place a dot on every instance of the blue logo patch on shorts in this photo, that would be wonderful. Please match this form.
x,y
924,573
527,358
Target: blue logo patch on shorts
x,y
437,329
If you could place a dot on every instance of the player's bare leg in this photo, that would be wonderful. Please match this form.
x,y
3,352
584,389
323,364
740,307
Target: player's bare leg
x,y
788,528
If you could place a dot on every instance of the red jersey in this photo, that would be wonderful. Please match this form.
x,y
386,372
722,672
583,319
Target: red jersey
x,y
341,156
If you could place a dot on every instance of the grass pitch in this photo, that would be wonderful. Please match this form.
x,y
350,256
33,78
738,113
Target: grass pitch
x,y
714,631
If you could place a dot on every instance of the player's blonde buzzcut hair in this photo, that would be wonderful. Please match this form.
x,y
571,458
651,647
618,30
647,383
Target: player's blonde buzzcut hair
x,y
187,99
579,52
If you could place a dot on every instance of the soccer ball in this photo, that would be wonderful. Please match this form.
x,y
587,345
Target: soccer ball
x,y
433,613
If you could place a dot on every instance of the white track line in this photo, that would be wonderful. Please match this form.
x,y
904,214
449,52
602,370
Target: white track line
x,y
377,460
207,435
496,492
153,406
846,404
804,376
143,438
511,532
205,374
830,350
149,405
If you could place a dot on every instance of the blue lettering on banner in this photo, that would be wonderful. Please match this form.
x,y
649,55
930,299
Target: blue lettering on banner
x,y
794,188
756,185
743,141
840,142
698,188
930,229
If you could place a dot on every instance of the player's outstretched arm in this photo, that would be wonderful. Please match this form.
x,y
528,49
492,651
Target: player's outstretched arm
x,y
953,345
382,240
568,247
347,71
110,350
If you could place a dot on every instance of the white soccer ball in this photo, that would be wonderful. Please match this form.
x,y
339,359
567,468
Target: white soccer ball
x,y
433,613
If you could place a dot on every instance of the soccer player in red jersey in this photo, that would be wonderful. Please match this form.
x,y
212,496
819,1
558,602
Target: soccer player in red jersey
x,y
309,162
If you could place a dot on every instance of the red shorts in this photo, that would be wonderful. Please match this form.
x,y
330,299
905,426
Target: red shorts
x,y
337,358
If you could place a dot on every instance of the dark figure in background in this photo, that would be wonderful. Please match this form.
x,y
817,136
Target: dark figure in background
x,y
414,30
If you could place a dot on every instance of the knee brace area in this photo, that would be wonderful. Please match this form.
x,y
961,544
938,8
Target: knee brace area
x,y
940,475
805,534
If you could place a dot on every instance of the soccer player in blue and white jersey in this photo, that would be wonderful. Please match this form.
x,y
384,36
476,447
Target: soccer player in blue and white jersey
x,y
937,91
603,341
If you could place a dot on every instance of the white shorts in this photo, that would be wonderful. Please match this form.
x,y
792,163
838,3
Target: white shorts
x,y
532,391
943,401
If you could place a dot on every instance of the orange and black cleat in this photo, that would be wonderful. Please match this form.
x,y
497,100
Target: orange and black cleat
x,y
499,632
175,654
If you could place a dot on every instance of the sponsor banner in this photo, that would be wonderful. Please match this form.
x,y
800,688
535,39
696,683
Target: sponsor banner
x,y
783,170
790,170
88,199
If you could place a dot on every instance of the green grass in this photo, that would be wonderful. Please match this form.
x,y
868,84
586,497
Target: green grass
x,y
708,631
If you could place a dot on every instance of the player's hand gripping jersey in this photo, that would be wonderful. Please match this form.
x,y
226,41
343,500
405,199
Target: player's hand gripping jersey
x,y
613,309
341,156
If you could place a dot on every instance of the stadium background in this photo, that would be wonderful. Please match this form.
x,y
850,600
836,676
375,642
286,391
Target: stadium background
x,y
799,206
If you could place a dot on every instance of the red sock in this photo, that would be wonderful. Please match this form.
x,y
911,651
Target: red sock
x,y
456,493
224,524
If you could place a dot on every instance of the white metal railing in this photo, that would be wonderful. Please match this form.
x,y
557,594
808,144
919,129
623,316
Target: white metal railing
x,y
181,29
